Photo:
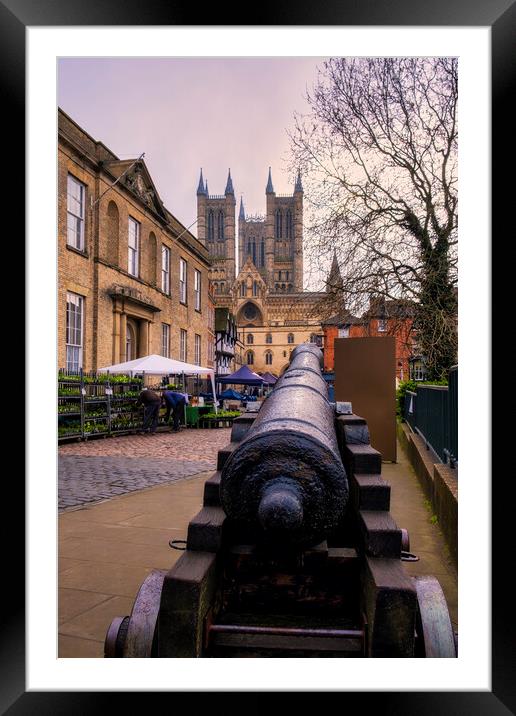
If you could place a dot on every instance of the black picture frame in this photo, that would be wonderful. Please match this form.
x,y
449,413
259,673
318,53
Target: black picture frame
x,y
500,16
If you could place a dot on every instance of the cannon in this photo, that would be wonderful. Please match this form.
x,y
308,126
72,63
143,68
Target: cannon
x,y
286,477
294,552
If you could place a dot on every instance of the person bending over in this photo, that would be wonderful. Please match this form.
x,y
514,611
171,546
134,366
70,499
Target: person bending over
x,y
151,402
175,403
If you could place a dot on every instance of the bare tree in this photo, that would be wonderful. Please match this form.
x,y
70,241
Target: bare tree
x,y
378,153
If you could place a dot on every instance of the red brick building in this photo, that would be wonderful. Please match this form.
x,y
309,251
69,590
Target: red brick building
x,y
383,318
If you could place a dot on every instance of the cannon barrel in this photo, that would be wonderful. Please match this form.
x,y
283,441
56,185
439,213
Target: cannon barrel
x,y
286,476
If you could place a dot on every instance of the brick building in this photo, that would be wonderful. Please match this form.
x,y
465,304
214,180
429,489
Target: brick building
x,y
131,279
273,313
383,318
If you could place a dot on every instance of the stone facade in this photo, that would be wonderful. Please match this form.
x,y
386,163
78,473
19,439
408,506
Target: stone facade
x,y
273,313
120,298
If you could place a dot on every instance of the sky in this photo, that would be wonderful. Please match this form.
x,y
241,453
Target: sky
x,y
187,113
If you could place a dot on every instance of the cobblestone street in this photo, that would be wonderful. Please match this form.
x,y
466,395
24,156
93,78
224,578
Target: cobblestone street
x,y
100,469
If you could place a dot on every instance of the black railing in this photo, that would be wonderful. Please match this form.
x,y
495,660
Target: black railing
x,y
432,412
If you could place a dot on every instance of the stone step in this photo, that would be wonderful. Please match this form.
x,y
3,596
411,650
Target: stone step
x,y
224,453
370,492
211,490
205,530
380,534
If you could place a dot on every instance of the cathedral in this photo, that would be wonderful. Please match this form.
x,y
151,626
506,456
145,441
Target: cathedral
x,y
273,313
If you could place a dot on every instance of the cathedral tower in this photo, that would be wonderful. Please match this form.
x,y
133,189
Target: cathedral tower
x,y
284,238
216,230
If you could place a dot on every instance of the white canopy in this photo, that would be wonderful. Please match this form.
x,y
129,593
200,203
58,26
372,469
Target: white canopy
x,y
159,365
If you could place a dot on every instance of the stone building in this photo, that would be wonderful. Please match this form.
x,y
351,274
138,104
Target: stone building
x,y
225,341
131,279
273,313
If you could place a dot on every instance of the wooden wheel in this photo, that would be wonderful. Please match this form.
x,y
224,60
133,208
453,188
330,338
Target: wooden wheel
x,y
434,632
134,636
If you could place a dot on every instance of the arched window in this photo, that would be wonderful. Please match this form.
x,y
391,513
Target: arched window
x,y
242,289
262,253
290,338
289,224
279,224
268,358
250,357
250,339
255,288
211,228
268,338
113,234
220,226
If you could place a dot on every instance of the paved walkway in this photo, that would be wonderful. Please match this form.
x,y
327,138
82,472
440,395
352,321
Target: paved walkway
x,y
107,549
103,468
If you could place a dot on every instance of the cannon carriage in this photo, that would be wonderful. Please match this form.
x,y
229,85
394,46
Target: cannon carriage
x,y
294,552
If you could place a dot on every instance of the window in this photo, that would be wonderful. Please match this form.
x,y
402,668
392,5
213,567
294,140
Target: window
x,y
290,338
417,369
165,340
220,226
255,288
382,325
289,224
165,270
279,224
134,246
197,345
211,234
242,289
182,280
76,193
268,338
250,357
197,289
250,339
74,332
344,332
262,253
268,358
182,345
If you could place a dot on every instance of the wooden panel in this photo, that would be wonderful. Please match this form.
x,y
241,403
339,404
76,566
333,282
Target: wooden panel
x,y
212,490
188,593
361,459
224,453
205,530
381,535
370,492
389,601
365,372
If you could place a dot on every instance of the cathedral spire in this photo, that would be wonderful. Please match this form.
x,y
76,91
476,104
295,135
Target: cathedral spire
x,y
334,281
270,188
200,188
241,214
298,186
229,184
206,188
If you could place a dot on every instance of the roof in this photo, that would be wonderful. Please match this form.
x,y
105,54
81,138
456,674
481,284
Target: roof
x,y
156,365
243,376
344,317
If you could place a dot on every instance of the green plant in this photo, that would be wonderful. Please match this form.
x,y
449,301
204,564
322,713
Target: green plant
x,y
222,414
433,520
